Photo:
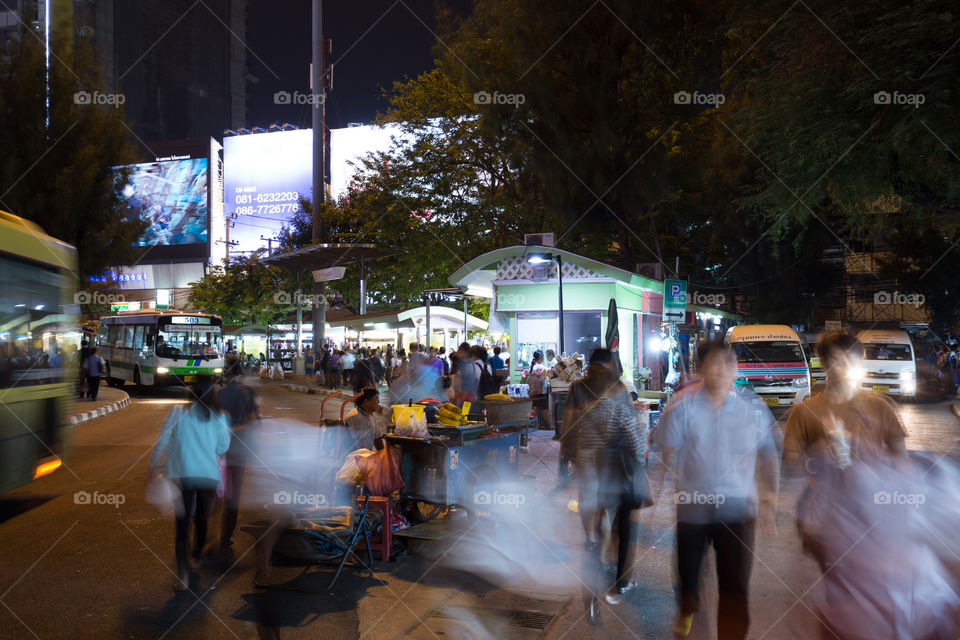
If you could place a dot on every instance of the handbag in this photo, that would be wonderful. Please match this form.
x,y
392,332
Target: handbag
x,y
624,479
635,491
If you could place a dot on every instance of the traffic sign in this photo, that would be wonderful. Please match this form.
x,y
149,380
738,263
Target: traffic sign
x,y
674,300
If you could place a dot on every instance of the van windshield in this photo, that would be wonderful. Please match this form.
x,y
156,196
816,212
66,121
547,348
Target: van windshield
x,y
887,352
768,351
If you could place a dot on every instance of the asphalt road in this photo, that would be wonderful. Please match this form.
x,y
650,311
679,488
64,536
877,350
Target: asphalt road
x,y
103,568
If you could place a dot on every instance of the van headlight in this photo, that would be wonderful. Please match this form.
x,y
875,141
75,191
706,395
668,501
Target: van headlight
x,y
799,382
162,370
856,374
908,381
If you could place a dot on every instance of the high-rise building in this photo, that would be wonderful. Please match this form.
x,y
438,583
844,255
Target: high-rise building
x,y
181,65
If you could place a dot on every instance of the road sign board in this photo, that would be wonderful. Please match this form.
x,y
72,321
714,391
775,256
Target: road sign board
x,y
674,300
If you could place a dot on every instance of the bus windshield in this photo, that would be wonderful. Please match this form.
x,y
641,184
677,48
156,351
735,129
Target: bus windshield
x,y
768,351
179,341
886,352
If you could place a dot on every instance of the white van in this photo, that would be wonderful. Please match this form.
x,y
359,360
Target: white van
x,y
889,362
770,358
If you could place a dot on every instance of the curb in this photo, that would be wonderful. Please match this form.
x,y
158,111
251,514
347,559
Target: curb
x,y
102,411
955,408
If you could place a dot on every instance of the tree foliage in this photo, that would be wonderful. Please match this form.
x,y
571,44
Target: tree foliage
x,y
244,292
65,176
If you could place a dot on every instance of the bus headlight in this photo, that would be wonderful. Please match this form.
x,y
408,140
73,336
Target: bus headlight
x,y
799,382
162,370
218,369
908,381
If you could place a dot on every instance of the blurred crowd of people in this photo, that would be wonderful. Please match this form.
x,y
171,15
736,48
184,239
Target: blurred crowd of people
x,y
875,519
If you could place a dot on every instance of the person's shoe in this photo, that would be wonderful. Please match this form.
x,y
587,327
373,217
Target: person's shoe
x,y
593,611
555,437
590,546
682,625
612,597
181,584
227,542
624,587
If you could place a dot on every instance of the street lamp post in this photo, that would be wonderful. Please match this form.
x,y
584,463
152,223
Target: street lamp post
x,y
541,258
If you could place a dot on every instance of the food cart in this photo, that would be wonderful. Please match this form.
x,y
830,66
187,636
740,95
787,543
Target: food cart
x,y
457,465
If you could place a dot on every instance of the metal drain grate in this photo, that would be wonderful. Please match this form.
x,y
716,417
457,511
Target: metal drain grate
x,y
530,619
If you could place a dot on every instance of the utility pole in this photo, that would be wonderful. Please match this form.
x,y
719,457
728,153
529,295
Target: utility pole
x,y
269,245
318,84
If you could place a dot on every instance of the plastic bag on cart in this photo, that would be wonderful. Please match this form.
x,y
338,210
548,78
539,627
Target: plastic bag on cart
x,y
350,472
380,471
410,425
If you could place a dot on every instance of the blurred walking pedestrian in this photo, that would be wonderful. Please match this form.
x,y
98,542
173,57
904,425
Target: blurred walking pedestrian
x,y
714,441
582,394
192,439
94,369
851,443
610,450
240,403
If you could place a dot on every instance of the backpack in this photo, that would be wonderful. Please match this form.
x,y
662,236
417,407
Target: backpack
x,y
488,383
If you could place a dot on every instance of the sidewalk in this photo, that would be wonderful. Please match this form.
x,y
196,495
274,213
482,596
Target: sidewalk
x,y
108,401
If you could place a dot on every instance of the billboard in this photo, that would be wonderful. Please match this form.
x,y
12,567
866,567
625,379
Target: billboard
x,y
349,145
264,177
172,197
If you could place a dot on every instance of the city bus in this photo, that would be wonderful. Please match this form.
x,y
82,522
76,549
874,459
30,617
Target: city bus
x,y
39,343
160,347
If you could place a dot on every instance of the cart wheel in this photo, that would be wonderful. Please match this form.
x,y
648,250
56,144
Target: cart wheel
x,y
425,511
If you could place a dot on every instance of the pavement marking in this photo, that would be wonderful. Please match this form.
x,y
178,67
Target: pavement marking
x,y
100,412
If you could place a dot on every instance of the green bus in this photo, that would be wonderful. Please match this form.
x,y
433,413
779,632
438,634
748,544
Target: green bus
x,y
39,345
160,347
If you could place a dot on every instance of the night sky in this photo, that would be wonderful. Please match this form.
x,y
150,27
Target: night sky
x,y
279,33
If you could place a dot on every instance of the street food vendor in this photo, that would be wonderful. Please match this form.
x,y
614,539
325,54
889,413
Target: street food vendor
x,y
366,422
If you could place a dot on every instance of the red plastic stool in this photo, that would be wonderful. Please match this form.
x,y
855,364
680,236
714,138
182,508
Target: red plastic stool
x,y
383,541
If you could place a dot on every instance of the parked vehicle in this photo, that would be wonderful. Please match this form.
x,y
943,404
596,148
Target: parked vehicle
x,y
771,360
889,362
